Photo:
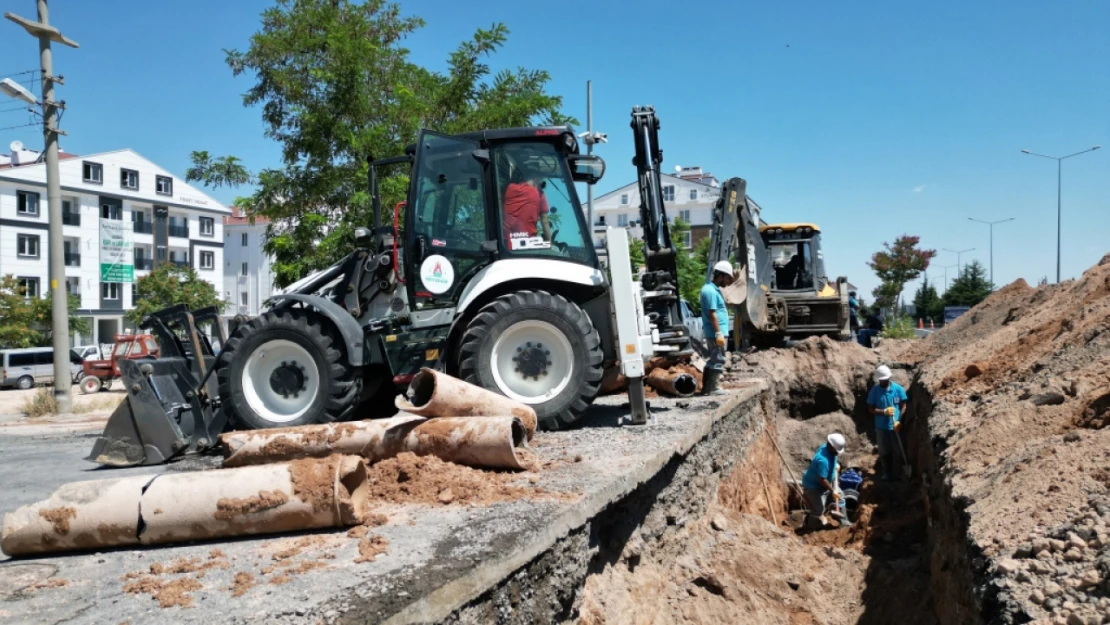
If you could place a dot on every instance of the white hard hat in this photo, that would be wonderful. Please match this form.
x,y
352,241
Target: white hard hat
x,y
723,266
882,373
836,439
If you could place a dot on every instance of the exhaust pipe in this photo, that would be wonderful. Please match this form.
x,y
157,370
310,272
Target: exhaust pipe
x,y
676,384
266,499
489,442
435,394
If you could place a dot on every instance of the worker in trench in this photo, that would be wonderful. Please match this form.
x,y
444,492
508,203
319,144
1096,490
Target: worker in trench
x,y
819,481
887,401
714,319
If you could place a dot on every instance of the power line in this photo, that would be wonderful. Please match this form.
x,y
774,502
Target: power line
x,y
20,126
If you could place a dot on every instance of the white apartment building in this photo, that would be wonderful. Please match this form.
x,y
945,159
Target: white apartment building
x,y
149,215
248,279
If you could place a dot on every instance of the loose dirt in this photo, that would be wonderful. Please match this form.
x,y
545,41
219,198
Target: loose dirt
x,y
59,518
231,508
243,583
409,478
168,594
370,547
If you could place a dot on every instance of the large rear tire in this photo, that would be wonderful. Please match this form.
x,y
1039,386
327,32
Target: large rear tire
x,y
538,348
287,368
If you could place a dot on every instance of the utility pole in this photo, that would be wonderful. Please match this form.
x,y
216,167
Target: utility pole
x,y
590,150
946,268
992,224
45,33
1059,219
958,253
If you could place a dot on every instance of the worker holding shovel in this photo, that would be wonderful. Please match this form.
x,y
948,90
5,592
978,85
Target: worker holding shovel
x,y
819,481
887,401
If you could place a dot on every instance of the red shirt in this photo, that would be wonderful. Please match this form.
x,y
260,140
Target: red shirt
x,y
523,206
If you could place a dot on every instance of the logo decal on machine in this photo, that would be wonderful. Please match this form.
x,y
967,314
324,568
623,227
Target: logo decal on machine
x,y
437,274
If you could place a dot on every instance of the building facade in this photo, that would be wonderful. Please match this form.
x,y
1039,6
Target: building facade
x,y
248,280
118,199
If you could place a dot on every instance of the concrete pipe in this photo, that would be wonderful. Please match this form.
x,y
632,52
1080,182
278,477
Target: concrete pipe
x,y
299,495
490,442
435,394
79,515
677,384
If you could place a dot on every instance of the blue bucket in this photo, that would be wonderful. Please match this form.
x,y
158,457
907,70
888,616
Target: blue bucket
x,y
850,480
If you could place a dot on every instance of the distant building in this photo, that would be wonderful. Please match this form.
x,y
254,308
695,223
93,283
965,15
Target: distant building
x,y
147,215
248,278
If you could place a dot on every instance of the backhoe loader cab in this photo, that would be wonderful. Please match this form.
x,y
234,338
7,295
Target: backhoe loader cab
x,y
814,306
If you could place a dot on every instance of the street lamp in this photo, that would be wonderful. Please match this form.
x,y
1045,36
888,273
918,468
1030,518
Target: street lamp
x,y
946,268
1059,165
991,224
958,253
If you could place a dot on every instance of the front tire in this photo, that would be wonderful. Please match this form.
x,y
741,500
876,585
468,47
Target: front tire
x,y
285,368
538,348
90,385
25,383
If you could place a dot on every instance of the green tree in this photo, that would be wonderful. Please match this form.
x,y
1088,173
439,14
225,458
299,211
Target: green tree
x,y
25,321
336,87
168,285
691,273
927,303
219,172
970,288
636,254
897,264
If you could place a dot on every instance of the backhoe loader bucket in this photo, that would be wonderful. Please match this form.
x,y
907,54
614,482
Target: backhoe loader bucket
x,y
170,406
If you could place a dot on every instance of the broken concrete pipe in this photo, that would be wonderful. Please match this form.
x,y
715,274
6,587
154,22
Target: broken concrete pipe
x,y
435,394
677,384
489,442
147,510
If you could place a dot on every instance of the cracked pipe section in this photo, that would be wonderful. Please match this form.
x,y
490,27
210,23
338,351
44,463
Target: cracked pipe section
x,y
435,394
305,494
676,384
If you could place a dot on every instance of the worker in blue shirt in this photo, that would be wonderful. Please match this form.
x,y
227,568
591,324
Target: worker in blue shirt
x,y
853,312
714,320
887,401
819,481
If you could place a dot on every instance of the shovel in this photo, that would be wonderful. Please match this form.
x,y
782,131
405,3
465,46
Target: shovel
x,y
907,470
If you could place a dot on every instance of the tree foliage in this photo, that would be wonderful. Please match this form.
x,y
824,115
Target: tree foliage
x,y
25,321
970,288
897,264
168,285
219,172
927,303
336,87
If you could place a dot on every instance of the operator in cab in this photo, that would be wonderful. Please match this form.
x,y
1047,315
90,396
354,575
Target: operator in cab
x,y
526,210
714,319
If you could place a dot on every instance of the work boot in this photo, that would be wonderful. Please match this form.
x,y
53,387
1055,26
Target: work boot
x,y
709,380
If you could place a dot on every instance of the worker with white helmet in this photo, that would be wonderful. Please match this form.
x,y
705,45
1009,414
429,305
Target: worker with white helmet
x,y
887,401
819,481
714,319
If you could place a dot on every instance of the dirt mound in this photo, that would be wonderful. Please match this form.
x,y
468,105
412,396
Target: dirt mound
x,y
409,478
1021,390
814,377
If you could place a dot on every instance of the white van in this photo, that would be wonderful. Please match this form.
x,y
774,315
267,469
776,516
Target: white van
x,y
24,368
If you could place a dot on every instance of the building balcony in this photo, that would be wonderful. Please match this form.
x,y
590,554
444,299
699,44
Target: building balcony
x,y
72,260
180,263
144,263
71,219
179,231
144,227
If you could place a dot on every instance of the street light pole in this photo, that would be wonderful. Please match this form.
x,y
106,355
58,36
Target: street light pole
x,y
991,224
946,268
59,312
958,253
1059,171
590,150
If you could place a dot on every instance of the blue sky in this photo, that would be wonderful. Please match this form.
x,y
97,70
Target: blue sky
x,y
872,119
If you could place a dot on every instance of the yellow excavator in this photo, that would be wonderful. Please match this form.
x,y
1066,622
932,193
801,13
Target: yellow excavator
x,y
781,290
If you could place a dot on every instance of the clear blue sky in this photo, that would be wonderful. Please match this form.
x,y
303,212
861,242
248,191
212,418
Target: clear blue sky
x,y
872,119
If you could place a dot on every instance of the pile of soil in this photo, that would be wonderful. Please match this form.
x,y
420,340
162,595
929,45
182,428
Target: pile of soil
x,y
1021,402
409,478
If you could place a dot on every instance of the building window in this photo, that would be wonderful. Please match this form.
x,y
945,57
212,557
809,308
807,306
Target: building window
x,y
129,179
110,290
27,245
207,260
243,271
28,203
244,239
29,287
624,199
668,193
686,239
92,172
622,220
163,185
111,211
244,299
207,226
693,194
684,215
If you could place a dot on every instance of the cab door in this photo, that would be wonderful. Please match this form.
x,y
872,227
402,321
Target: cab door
x,y
448,234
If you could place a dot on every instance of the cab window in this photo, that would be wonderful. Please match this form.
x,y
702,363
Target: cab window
x,y
538,206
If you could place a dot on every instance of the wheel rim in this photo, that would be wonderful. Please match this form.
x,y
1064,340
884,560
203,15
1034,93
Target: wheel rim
x,y
25,383
532,361
280,381
90,384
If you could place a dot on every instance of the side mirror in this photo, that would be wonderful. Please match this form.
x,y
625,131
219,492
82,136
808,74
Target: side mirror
x,y
586,168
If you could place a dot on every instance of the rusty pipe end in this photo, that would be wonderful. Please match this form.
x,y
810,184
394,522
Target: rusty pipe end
x,y
685,385
354,490
422,388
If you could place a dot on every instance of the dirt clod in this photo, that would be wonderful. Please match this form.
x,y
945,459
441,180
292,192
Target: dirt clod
x,y
409,478
232,508
370,547
167,593
243,582
59,518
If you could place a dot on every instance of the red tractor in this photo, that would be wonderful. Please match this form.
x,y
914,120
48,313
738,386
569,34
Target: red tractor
x,y
99,374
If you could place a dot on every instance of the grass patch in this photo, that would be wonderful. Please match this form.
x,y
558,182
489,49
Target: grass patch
x,y
42,403
900,328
